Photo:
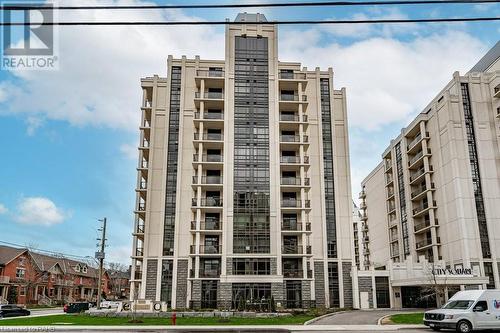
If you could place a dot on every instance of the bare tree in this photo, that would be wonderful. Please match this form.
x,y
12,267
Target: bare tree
x,y
437,283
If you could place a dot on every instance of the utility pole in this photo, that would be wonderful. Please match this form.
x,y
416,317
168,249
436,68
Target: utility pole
x,y
100,257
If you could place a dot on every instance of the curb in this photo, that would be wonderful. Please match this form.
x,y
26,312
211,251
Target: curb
x,y
414,326
311,321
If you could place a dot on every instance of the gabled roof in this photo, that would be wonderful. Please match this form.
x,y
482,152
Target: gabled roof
x,y
7,254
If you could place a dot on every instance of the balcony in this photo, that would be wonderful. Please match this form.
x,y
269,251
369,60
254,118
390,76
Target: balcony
x,y
390,193
210,158
208,137
295,203
209,116
207,180
419,192
391,207
421,227
415,176
207,226
143,165
388,165
210,95
420,209
139,229
416,140
207,202
294,160
141,207
393,237
294,139
208,273
362,205
417,159
427,243
206,249
292,118
203,73
143,186
4,279
292,98
496,91
293,273
362,194
389,180
297,226
292,76
139,252
395,254
295,181
144,145
363,216
295,249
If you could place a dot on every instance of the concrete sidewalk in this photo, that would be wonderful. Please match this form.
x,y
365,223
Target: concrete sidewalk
x,y
242,328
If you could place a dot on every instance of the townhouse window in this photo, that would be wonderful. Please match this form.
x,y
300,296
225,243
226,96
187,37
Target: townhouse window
x,y
20,273
22,291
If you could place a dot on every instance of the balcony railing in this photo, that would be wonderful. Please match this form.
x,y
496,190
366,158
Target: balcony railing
x,y
292,117
362,194
209,115
295,181
141,207
295,249
418,156
388,165
207,225
143,164
208,273
209,136
207,202
422,225
297,226
391,207
416,140
292,98
295,203
421,189
145,144
208,158
294,138
426,242
423,207
139,252
293,159
293,273
138,275
292,76
206,249
209,73
389,179
210,95
4,279
140,229
419,173
207,180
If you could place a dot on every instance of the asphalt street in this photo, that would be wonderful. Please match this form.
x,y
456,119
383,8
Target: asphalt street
x,y
361,317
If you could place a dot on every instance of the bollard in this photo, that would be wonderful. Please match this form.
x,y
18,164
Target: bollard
x,y
174,318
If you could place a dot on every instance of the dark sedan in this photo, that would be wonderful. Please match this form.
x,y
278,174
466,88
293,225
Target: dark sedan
x,y
10,310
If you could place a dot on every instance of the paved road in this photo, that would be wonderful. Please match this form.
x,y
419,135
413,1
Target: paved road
x,y
357,317
327,329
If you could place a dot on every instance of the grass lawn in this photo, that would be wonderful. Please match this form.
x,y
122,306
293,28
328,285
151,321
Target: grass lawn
x,y
407,318
88,320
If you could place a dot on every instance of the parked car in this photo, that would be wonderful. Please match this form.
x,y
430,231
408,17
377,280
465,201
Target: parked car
x,y
76,307
467,311
12,310
109,304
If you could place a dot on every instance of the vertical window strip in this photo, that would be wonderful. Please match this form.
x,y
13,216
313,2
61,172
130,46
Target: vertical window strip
x,y
402,201
476,177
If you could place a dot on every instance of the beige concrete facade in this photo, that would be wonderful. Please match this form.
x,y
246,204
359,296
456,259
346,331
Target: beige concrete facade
x,y
435,196
187,163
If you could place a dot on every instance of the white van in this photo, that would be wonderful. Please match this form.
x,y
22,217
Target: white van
x,y
466,311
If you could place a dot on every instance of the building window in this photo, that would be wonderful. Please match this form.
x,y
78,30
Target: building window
x,y
22,291
20,273
326,129
251,295
166,281
251,266
333,284
172,156
402,201
251,198
208,294
488,271
476,177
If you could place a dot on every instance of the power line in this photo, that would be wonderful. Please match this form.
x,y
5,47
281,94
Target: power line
x,y
255,5
167,23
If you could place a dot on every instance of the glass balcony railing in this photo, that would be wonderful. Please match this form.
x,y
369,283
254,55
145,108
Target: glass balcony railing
x,y
209,115
208,158
292,76
206,249
210,73
210,95
207,180
295,226
207,202
209,136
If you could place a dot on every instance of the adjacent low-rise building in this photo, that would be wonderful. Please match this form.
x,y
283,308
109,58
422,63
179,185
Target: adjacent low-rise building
x,y
434,200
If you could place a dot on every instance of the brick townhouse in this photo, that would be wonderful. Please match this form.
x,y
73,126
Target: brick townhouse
x,y
28,277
